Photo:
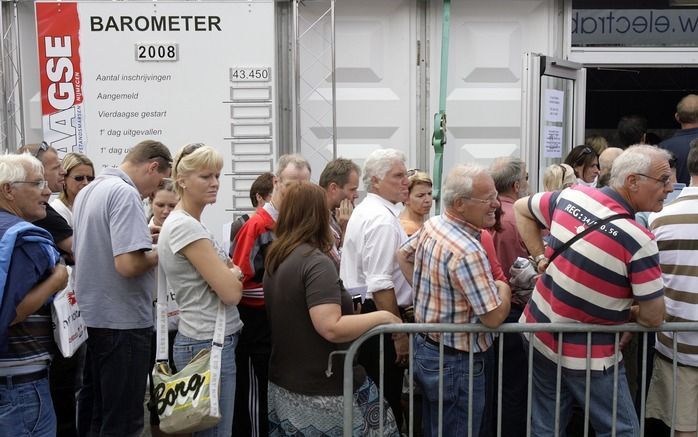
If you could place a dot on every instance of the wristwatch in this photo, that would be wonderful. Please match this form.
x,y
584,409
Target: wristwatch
x,y
540,258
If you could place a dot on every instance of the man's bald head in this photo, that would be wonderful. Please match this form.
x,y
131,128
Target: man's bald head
x,y
606,163
687,110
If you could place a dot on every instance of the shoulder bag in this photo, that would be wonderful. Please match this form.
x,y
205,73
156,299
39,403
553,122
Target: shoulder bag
x,y
580,235
188,400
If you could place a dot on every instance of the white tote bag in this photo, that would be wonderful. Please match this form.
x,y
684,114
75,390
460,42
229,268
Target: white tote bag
x,y
69,329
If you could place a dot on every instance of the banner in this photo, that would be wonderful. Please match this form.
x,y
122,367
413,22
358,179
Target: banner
x,y
62,111
116,73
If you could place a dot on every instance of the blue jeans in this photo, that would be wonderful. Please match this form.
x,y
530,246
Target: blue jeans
x,y
120,364
185,349
573,390
455,389
27,410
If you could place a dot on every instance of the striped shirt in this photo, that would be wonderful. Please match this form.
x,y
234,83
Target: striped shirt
x,y
596,279
675,229
336,251
452,278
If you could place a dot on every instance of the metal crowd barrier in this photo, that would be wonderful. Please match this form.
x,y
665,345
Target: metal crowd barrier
x,y
414,328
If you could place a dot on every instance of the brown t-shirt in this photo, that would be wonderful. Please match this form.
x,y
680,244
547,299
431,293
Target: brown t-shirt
x,y
307,277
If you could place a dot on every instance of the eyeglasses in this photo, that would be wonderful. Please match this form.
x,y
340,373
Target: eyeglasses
x,y
564,171
664,180
413,171
490,200
82,178
188,150
39,184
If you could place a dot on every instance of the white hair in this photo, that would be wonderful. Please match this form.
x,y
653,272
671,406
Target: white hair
x,y
378,163
459,182
15,167
635,159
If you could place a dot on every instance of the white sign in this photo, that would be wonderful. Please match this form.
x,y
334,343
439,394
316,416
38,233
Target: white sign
x,y
552,142
100,99
554,105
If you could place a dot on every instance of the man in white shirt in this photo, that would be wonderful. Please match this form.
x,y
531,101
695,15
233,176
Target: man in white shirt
x,y
369,266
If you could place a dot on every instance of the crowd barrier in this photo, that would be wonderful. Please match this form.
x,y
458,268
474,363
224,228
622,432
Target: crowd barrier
x,y
561,328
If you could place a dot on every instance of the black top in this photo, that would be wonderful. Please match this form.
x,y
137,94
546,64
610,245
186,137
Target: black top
x,y
56,225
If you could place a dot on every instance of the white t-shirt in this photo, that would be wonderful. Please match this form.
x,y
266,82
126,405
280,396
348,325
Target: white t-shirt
x,y
197,301
62,209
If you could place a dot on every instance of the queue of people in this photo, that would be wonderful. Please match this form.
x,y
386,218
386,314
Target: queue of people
x,y
311,270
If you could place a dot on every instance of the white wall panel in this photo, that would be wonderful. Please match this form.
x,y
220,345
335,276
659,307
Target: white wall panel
x,y
488,40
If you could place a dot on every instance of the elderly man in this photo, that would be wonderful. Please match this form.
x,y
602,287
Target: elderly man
x,y
687,116
453,284
54,173
369,267
340,180
675,229
254,347
114,283
511,181
64,371
30,277
595,279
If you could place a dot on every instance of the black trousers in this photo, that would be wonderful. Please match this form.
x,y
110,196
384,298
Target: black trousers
x,y
252,374
514,384
369,355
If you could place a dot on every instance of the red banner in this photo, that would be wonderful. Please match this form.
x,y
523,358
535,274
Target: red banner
x,y
58,27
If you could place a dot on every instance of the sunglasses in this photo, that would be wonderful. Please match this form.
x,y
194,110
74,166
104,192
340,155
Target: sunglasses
x,y
413,171
82,178
188,150
585,152
43,146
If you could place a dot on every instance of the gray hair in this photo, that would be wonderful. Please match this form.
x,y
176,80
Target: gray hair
x,y
378,163
506,171
635,159
459,182
15,167
295,159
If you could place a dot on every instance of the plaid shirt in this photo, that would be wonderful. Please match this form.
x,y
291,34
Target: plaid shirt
x,y
452,278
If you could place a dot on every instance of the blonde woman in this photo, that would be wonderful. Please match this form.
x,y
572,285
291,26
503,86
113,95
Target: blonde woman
x,y
418,203
199,273
558,177
79,172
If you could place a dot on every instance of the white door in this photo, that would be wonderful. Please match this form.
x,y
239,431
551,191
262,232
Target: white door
x,y
488,41
553,110
375,72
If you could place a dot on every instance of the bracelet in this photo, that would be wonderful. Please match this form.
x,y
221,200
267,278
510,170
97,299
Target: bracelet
x,y
540,258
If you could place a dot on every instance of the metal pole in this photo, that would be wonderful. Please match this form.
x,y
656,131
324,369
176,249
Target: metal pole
x,y
334,85
295,57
